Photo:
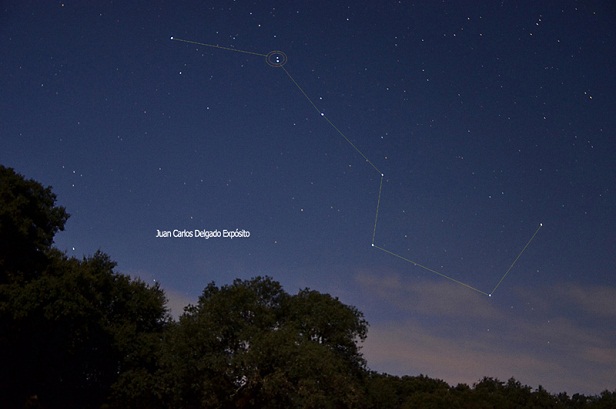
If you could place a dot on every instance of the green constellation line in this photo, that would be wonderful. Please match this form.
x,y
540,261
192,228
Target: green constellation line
x,y
278,59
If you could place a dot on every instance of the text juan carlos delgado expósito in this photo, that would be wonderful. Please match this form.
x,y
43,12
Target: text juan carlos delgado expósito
x,y
203,234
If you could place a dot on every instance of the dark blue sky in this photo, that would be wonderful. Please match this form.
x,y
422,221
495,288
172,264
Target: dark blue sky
x,y
485,119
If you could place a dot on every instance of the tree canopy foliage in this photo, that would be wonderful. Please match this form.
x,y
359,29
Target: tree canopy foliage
x,y
78,334
250,344
29,220
69,328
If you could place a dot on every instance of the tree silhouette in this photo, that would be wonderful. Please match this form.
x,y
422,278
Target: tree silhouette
x,y
29,219
69,329
252,345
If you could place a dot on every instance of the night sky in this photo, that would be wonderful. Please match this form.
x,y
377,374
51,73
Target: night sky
x,y
486,119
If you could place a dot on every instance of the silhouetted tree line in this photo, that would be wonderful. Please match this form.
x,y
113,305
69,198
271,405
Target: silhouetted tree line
x,y
77,334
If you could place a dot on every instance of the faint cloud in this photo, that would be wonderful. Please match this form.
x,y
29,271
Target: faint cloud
x,y
601,355
600,300
413,348
436,297
176,301
561,336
